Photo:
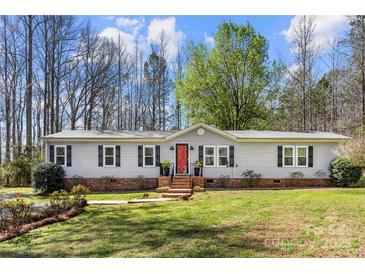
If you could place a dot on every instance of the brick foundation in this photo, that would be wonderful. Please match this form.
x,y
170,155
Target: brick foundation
x,y
164,181
113,184
267,183
131,184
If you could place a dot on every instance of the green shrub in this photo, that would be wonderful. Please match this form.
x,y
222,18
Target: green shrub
x,y
18,212
48,177
79,195
19,171
198,164
343,173
251,177
165,164
59,201
223,180
296,175
320,173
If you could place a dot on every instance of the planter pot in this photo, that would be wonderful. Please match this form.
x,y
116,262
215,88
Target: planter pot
x,y
166,171
196,171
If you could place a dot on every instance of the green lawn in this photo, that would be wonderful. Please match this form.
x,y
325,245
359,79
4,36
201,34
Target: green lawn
x,y
266,223
13,190
92,196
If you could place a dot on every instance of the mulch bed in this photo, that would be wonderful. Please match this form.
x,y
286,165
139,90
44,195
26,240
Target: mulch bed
x,y
47,221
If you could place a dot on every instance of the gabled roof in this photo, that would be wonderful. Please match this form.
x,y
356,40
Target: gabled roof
x,y
164,136
271,134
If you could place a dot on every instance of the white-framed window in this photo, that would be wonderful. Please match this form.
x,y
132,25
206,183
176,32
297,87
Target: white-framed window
x,y
148,156
288,156
109,156
302,156
209,156
60,155
222,156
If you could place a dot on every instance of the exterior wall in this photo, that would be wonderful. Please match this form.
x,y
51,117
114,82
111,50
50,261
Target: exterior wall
x,y
118,184
260,157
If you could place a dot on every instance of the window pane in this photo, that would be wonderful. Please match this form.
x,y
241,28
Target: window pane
x,y
60,160
209,151
223,151
60,151
302,161
148,151
302,152
223,161
288,161
109,161
148,161
109,151
288,151
209,161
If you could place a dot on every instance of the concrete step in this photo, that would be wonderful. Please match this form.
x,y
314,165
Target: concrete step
x,y
180,190
181,186
177,195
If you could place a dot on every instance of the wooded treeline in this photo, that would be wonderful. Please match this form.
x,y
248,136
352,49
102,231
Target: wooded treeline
x,y
57,73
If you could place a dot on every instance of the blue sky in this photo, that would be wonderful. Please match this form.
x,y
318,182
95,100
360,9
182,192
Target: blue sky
x,y
278,30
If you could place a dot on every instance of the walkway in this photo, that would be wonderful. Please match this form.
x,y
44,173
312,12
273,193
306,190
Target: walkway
x,y
123,202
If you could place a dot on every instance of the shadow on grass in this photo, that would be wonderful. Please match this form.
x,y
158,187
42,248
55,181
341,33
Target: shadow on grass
x,y
138,231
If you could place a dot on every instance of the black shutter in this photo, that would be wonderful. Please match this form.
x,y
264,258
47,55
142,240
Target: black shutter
x,y
310,156
140,155
280,156
51,153
100,155
157,155
69,155
117,156
231,156
201,153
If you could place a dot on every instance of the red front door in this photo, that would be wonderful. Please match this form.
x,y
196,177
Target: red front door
x,y
182,159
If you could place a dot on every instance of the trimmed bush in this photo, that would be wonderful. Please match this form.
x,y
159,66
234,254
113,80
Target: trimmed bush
x,y
296,175
19,213
251,178
343,173
48,177
79,195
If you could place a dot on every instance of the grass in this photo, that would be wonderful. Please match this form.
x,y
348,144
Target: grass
x,y
92,196
245,223
13,190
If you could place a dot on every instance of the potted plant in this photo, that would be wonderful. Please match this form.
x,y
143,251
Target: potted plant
x,y
197,166
165,164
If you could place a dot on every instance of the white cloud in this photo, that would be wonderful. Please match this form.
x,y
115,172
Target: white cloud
x,y
130,25
128,30
168,28
209,40
326,28
127,39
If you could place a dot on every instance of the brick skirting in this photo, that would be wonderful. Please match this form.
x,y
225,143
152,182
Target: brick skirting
x,y
130,184
113,184
267,183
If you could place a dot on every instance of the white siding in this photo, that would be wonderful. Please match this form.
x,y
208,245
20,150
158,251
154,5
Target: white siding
x,y
260,157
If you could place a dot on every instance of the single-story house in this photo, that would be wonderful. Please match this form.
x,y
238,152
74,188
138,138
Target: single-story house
x,y
120,160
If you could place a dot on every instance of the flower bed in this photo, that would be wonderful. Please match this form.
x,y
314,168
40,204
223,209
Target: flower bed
x,y
18,216
12,233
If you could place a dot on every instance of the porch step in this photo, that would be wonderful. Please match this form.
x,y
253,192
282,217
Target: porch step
x,y
181,185
181,179
177,195
180,190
